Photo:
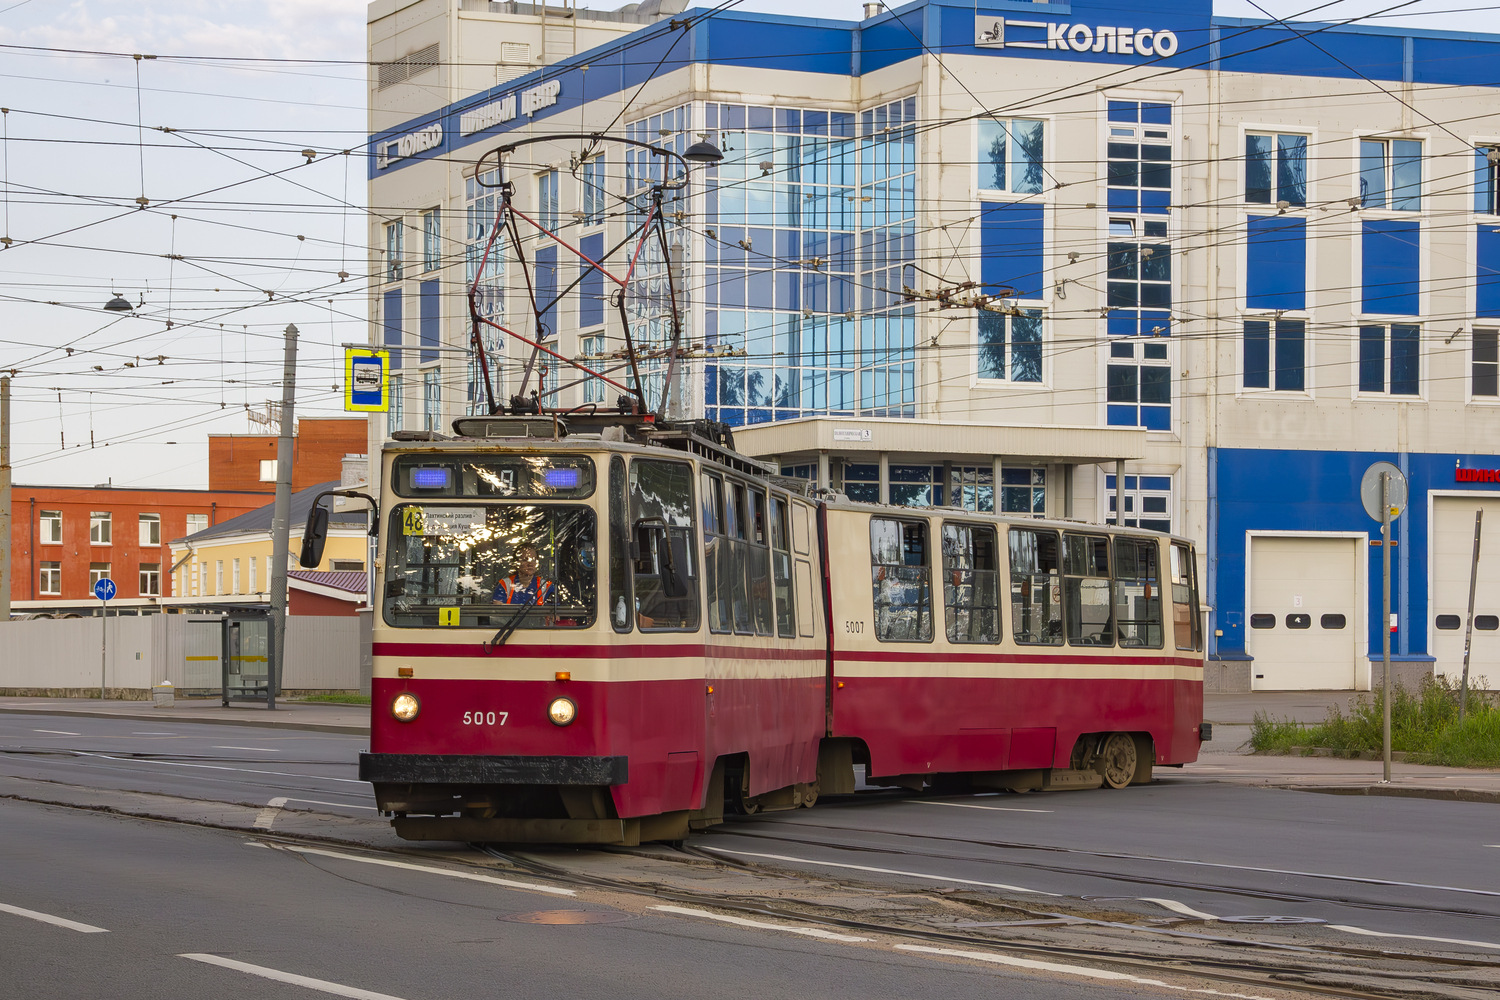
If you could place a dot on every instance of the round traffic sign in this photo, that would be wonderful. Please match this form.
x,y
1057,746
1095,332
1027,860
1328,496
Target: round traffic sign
x,y
1369,490
104,589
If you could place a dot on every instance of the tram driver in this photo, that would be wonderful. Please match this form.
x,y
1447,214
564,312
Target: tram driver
x,y
526,585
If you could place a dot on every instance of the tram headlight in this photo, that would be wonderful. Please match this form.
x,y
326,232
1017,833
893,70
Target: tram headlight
x,y
405,706
562,711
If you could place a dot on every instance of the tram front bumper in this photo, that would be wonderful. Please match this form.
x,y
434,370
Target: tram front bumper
x,y
476,769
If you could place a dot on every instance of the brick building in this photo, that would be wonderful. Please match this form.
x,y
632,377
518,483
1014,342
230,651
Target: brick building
x,y
65,538
248,461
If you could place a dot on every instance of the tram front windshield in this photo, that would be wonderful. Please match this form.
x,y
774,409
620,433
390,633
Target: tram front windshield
x,y
525,566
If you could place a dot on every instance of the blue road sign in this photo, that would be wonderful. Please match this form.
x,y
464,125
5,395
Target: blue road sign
x,y
104,589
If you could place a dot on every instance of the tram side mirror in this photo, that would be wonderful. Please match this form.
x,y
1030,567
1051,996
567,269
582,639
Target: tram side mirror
x,y
314,537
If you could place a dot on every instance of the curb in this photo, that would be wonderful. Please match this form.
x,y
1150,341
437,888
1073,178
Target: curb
x,y
311,727
1403,792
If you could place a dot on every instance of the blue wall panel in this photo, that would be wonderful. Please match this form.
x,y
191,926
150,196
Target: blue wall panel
x,y
591,285
1392,267
1010,240
390,318
1487,278
429,313
1276,263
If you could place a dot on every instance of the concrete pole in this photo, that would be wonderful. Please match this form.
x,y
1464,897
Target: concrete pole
x,y
5,553
1463,686
281,517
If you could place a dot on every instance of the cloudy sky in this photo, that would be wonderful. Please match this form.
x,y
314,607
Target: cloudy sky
x,y
241,234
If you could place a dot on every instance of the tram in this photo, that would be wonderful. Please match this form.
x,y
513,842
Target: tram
x,y
604,626
695,635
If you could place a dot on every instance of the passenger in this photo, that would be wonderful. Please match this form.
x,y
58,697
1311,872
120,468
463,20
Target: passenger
x,y
525,585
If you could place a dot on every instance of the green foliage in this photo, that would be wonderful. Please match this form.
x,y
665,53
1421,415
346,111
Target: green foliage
x,y
337,699
1424,724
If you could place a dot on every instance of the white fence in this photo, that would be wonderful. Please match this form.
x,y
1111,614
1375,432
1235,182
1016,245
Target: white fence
x,y
127,655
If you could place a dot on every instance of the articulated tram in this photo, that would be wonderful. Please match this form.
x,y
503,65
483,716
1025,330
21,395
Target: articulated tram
x,y
691,635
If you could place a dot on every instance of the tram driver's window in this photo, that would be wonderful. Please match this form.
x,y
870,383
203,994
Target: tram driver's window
x,y
900,568
662,545
1185,627
1035,588
971,585
1086,590
1138,592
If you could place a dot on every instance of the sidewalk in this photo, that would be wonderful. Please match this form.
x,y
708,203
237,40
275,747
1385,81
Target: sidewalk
x,y
1224,759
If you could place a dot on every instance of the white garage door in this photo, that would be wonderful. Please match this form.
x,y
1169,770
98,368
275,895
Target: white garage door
x,y
1304,624
1452,554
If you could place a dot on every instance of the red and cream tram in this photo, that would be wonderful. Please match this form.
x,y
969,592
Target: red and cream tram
x,y
597,629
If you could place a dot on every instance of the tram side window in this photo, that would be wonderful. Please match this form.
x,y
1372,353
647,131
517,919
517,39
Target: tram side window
x,y
1185,624
716,558
758,566
619,549
1035,593
1086,590
781,569
734,557
663,543
900,573
1138,592
971,584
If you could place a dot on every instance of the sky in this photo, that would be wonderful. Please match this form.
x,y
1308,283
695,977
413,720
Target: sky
x,y
240,234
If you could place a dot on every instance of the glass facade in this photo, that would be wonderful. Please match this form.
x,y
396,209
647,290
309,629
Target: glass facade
x,y
480,206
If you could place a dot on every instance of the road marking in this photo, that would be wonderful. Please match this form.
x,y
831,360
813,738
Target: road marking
x,y
341,805
1070,970
1176,907
268,815
153,734
384,863
256,749
221,767
970,805
881,871
47,918
337,989
1413,937
814,932
55,732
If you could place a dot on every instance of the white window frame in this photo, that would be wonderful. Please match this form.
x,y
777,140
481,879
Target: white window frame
x,y
1388,170
101,530
1008,320
196,523
50,527
432,239
149,580
1275,134
98,571
432,399
1385,392
394,238
981,162
1492,330
150,529
49,575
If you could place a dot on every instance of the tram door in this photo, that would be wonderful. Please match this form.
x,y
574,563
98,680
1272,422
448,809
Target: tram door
x,y
247,658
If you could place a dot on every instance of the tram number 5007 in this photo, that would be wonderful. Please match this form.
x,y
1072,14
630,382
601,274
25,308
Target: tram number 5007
x,y
485,718
854,627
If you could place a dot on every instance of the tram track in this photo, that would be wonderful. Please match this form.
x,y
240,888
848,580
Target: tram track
x,y
1219,887
1298,967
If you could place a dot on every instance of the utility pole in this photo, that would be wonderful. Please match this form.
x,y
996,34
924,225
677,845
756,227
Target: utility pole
x,y
281,517
1385,620
5,553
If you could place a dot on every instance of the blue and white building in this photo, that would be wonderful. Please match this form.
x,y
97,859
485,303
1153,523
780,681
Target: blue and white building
x,y
1232,264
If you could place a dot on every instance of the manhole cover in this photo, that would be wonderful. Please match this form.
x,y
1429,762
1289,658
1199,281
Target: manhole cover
x,y
1271,920
568,917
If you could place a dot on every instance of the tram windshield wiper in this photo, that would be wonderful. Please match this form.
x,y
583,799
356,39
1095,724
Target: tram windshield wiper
x,y
508,628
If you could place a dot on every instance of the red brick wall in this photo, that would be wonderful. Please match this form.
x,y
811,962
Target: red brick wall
x,y
318,453
124,553
300,602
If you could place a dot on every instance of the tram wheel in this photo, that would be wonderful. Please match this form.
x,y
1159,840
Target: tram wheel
x,y
1116,761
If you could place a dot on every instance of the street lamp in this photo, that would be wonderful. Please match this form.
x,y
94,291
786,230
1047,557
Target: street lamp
x,y
118,304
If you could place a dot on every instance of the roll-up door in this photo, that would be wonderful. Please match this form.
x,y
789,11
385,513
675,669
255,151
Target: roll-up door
x,y
1452,555
1304,623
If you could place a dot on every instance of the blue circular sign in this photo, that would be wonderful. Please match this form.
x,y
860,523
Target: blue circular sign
x,y
104,589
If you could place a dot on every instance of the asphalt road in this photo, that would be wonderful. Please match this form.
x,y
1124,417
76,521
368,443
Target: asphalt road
x,y
1263,871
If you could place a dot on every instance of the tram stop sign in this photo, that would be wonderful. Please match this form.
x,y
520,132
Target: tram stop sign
x,y
1369,490
104,589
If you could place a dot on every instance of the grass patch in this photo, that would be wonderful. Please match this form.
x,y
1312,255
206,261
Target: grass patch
x,y
337,699
1424,724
